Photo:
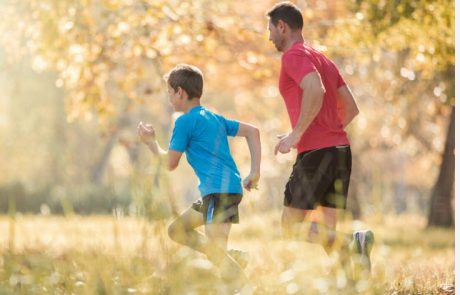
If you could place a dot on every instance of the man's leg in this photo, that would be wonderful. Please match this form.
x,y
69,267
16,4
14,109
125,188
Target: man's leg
x,y
291,218
329,217
356,246
296,225
327,230
309,183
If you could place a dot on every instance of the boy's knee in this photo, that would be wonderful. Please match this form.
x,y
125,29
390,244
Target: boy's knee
x,y
173,230
176,230
215,253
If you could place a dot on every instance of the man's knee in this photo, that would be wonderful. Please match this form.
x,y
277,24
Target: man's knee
x,y
289,229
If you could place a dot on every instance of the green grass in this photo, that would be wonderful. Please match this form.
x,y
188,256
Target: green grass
x,y
104,255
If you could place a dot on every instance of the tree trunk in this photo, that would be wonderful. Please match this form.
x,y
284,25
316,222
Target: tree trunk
x,y
98,170
441,213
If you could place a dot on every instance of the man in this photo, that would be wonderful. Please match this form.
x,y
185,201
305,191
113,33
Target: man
x,y
320,105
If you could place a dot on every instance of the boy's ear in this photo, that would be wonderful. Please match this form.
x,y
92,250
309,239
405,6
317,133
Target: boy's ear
x,y
179,91
182,93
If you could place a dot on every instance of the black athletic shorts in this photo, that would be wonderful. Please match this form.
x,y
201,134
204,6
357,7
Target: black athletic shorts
x,y
319,178
219,208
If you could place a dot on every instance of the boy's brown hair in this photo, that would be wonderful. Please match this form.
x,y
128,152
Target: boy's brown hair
x,y
187,77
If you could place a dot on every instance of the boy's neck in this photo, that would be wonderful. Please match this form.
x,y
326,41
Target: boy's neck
x,y
190,104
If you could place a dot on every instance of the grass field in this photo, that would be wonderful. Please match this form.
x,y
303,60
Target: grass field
x,y
107,255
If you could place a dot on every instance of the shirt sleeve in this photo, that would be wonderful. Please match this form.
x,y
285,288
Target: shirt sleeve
x,y
231,126
340,80
297,66
181,135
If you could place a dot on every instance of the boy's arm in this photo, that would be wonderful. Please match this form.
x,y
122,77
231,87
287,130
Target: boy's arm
x,y
147,136
253,139
346,105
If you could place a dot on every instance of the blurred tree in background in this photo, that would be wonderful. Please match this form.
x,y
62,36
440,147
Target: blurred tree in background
x,y
413,40
68,127
110,56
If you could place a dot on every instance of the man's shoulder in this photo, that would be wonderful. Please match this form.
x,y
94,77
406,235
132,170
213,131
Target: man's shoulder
x,y
297,52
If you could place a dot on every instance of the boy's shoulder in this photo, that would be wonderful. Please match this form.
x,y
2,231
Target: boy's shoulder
x,y
187,119
191,116
183,122
211,112
199,111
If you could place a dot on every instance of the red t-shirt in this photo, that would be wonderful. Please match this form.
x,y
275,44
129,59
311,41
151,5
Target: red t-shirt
x,y
326,129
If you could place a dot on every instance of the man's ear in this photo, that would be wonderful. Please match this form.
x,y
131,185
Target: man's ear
x,y
281,26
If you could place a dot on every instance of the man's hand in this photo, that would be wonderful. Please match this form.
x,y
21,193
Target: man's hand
x,y
286,143
146,133
251,181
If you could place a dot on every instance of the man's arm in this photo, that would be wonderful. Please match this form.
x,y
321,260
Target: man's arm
x,y
312,100
147,136
346,105
252,135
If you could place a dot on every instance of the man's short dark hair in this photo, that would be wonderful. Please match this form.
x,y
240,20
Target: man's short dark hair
x,y
288,13
187,77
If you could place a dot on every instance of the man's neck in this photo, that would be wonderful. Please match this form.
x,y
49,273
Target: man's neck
x,y
294,39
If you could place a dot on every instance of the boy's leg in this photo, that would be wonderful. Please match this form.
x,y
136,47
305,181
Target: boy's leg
x,y
182,230
217,234
221,211
214,244
231,272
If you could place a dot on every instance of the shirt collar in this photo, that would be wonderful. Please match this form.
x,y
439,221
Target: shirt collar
x,y
196,108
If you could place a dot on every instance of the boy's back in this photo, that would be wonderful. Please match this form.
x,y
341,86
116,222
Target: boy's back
x,y
202,135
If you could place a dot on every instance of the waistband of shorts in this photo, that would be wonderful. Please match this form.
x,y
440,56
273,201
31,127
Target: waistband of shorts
x,y
342,146
223,195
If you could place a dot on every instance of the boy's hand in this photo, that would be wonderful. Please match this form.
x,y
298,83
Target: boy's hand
x,y
146,133
251,181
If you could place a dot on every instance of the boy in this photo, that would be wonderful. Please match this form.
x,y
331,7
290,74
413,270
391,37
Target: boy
x,y
202,135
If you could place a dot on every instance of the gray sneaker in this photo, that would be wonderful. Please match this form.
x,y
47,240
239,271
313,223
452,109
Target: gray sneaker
x,y
363,241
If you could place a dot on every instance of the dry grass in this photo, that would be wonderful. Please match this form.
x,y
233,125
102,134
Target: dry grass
x,y
104,255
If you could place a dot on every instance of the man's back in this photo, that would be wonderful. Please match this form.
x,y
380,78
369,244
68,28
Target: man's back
x,y
202,135
326,130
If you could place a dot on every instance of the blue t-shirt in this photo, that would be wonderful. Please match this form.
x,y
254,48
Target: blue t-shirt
x,y
202,135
